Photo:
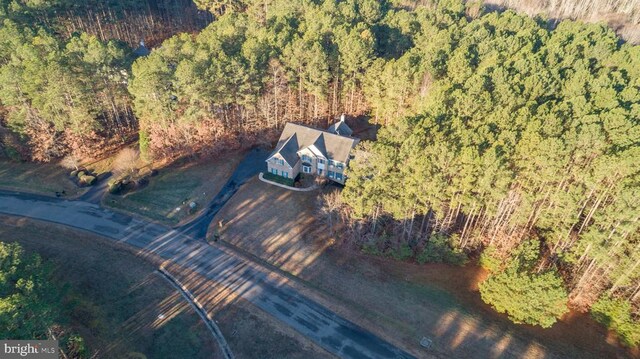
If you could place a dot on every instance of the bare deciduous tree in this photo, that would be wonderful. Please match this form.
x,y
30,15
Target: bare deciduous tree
x,y
71,162
126,162
329,205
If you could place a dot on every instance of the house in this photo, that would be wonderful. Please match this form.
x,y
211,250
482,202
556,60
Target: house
x,y
340,128
312,151
142,50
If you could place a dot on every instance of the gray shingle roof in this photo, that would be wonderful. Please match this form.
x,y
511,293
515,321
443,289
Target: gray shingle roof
x,y
141,51
340,128
289,150
296,137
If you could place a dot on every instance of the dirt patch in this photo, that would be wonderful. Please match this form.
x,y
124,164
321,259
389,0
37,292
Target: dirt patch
x,y
115,301
400,302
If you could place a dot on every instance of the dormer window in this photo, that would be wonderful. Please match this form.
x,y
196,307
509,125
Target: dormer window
x,y
306,158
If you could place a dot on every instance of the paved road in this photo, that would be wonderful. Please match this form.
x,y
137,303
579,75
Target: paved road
x,y
219,265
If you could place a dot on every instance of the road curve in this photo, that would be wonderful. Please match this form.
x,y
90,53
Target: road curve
x,y
247,279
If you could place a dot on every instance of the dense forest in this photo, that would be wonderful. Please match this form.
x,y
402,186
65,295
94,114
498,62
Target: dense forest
x,y
64,68
524,149
503,139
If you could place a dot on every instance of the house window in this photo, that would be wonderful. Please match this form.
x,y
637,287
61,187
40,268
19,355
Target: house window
x,y
319,172
285,174
339,165
331,174
281,162
306,158
320,161
274,171
339,176
306,169
331,163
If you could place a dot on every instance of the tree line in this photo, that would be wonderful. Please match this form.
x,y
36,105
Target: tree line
x,y
623,15
126,20
64,69
62,95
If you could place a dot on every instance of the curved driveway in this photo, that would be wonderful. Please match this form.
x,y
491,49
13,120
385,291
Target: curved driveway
x,y
251,281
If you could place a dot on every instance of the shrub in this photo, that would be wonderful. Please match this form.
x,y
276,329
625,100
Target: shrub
x,y
81,174
537,299
371,249
70,162
115,187
76,346
143,141
403,253
489,259
616,315
523,294
439,249
278,179
73,173
87,180
126,162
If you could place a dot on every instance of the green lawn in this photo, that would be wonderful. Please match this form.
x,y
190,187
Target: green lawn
x,y
176,186
45,178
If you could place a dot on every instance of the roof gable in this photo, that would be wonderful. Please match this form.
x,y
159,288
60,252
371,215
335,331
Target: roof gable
x,y
340,128
296,137
313,149
287,148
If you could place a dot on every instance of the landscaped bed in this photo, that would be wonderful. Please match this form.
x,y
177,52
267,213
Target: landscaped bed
x,y
278,179
301,183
